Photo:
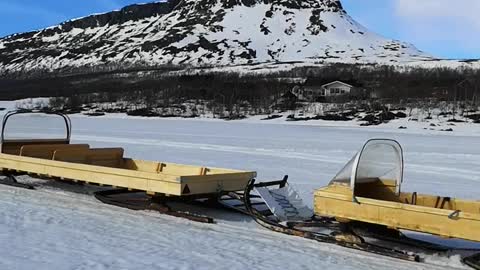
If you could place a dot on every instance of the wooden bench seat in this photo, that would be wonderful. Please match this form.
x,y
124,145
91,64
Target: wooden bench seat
x,y
12,147
46,151
107,157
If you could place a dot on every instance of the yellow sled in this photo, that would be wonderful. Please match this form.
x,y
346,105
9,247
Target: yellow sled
x,y
58,158
368,190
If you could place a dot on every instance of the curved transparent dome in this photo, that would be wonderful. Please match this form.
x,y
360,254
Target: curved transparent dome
x,y
35,126
378,160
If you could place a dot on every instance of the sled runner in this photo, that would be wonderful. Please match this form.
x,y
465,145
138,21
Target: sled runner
x,y
256,202
268,202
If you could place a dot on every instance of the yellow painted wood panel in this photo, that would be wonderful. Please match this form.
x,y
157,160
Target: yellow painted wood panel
x,y
398,215
142,165
172,168
92,174
46,151
12,147
219,182
152,182
108,157
438,201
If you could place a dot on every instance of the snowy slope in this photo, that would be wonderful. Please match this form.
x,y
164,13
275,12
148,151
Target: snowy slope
x,y
207,32
60,226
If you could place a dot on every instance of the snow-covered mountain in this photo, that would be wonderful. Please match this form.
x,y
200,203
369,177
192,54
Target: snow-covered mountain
x,y
205,32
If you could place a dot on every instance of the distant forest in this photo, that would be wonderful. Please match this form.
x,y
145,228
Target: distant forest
x,y
164,85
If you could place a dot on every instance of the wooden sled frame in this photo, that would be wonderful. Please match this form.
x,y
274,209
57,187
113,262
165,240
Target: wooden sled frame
x,y
57,158
379,200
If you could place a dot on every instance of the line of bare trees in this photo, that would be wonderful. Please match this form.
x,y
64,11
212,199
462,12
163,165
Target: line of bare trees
x,y
160,88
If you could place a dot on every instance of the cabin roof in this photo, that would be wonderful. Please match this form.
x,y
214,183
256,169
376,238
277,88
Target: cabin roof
x,y
319,81
346,84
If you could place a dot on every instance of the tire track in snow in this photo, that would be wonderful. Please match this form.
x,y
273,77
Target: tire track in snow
x,y
471,175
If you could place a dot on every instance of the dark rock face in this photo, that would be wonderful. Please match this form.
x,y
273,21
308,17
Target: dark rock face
x,y
326,5
128,13
200,32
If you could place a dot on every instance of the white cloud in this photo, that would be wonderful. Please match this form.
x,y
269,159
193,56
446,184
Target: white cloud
x,y
450,21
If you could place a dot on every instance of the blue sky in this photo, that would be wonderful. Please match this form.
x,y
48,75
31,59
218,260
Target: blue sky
x,y
434,26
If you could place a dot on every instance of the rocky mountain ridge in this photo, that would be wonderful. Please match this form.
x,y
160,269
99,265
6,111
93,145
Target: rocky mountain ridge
x,y
205,33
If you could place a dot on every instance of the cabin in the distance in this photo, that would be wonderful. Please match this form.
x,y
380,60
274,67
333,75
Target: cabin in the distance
x,y
336,88
313,91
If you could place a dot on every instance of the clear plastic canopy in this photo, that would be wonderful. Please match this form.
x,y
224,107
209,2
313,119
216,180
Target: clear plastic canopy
x,y
19,125
378,159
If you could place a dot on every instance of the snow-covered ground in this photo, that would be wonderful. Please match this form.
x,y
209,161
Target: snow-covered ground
x,y
62,227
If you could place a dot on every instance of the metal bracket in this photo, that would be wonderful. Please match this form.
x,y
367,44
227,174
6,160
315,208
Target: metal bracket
x,y
355,200
455,215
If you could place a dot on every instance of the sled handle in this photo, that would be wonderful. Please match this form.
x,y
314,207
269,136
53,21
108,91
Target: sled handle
x,y
66,119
